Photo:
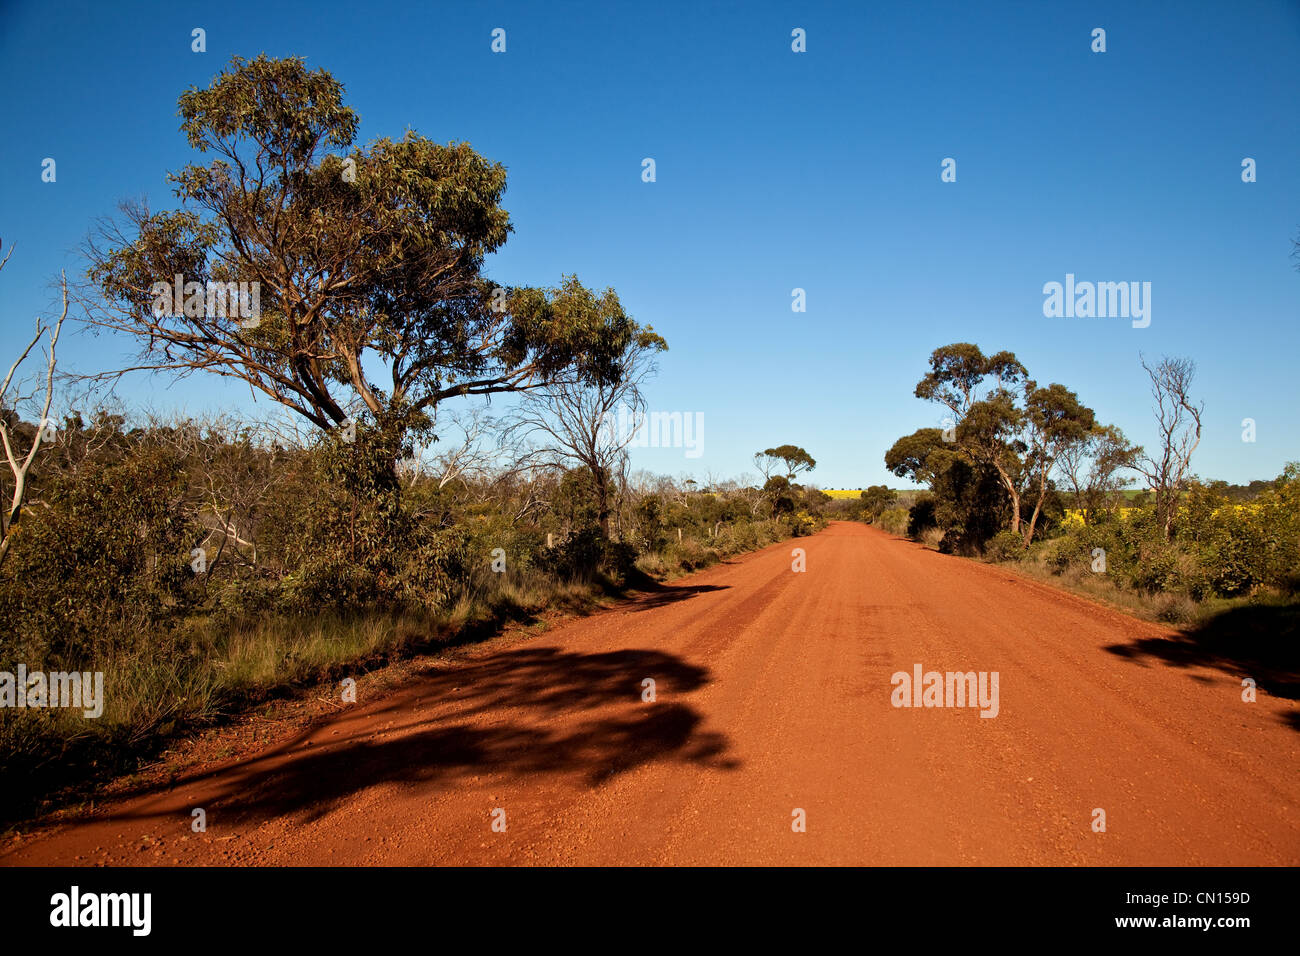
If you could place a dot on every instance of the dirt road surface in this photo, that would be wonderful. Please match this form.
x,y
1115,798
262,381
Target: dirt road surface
x,y
772,694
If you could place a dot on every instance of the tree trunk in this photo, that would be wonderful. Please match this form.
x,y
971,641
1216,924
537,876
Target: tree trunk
x,y
1038,507
602,501
1015,497
1033,520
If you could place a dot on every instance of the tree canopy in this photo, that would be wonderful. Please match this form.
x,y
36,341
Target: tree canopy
x,y
1005,431
367,262
793,458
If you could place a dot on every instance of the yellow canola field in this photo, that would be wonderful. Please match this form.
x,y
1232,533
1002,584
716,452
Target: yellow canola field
x,y
1074,516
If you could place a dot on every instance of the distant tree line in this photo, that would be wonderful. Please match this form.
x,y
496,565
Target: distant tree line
x,y
1017,465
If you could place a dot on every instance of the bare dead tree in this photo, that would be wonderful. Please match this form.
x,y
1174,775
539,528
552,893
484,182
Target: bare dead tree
x,y
1092,468
534,488
20,462
591,425
1178,422
80,442
766,466
747,490
462,450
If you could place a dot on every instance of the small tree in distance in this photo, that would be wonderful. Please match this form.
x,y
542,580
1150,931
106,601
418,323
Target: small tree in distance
x,y
877,498
793,458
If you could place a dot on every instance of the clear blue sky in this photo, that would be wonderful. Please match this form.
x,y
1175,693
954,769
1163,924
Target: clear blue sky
x,y
776,170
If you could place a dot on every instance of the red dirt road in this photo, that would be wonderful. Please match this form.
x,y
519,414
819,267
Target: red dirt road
x,y
772,693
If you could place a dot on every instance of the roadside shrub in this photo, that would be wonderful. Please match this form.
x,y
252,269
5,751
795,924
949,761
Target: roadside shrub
x,y
1006,545
240,596
1276,514
1072,550
803,524
1219,549
1175,608
920,517
938,539
329,581
580,554
894,520
439,558
105,561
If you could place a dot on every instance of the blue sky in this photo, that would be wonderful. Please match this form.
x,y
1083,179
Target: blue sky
x,y
775,170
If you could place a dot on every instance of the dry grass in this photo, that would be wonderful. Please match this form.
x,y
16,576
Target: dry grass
x,y
932,537
1178,610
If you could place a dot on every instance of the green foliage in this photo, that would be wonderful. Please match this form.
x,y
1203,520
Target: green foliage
x,y
1219,549
107,557
920,456
369,256
876,499
894,520
957,371
921,517
802,523
790,457
780,495
1005,546
967,497
575,501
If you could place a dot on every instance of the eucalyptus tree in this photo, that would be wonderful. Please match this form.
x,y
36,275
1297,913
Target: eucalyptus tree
x,y
343,281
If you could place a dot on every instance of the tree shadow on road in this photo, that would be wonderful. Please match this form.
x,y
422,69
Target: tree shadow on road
x,y
1260,641
668,594
562,713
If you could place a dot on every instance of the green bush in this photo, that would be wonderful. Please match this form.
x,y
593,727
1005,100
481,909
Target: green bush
x,y
803,524
921,518
894,520
1218,549
1006,545
107,560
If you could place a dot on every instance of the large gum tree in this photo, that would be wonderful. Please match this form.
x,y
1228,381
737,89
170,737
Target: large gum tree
x,y
368,262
